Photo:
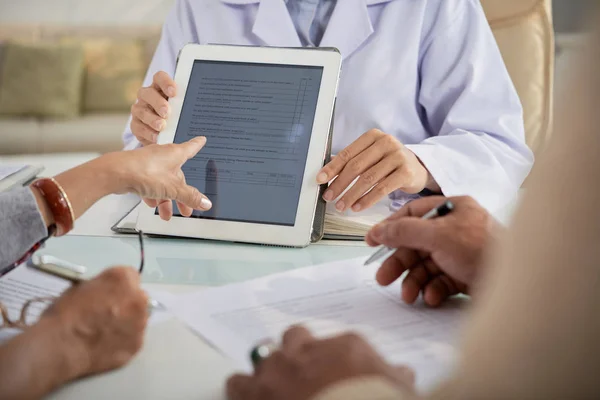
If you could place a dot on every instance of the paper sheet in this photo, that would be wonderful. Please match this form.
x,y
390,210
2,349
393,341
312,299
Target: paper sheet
x,y
9,169
24,283
329,299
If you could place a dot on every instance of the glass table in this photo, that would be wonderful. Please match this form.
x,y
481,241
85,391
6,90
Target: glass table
x,y
177,261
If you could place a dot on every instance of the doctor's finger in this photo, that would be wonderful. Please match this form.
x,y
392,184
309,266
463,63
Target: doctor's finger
x,y
145,134
144,113
337,164
165,84
155,100
353,169
380,191
366,181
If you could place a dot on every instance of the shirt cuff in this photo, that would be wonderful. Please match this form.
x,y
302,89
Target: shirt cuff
x,y
425,153
367,388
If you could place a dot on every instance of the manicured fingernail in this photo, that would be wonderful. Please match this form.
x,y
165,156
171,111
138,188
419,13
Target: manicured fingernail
x,y
164,112
356,207
155,137
170,91
322,178
328,196
340,206
205,203
158,124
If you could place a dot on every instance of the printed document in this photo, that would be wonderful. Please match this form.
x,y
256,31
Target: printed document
x,y
24,283
328,299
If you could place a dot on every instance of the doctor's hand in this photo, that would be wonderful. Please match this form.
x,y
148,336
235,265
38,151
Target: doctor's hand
x,y
305,367
154,173
150,112
383,165
443,255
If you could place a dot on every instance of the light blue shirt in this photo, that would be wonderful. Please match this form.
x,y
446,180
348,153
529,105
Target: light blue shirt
x,y
428,72
310,18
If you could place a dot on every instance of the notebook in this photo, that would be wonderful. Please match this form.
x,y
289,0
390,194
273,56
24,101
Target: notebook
x,y
350,225
338,226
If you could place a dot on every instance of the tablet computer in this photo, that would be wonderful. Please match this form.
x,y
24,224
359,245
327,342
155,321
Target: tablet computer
x,y
267,115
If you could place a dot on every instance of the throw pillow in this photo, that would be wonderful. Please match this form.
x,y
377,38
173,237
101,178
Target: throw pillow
x,y
41,80
114,72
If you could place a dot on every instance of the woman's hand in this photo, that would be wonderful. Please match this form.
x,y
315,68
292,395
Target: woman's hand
x,y
383,165
154,173
150,112
305,366
102,321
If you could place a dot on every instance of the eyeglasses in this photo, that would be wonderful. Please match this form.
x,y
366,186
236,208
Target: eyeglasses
x,y
31,310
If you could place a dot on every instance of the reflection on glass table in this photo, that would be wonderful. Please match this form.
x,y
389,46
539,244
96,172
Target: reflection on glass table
x,y
194,262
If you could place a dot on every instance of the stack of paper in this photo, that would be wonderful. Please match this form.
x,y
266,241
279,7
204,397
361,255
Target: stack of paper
x,y
328,299
350,225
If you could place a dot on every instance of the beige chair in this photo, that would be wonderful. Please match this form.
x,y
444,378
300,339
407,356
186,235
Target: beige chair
x,y
524,32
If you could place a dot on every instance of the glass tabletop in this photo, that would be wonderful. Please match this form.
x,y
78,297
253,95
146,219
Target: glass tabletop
x,y
195,262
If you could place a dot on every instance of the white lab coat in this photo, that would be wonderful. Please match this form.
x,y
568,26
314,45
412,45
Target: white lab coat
x,y
428,72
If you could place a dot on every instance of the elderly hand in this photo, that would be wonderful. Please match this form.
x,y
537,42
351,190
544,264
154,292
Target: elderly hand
x,y
102,321
382,165
305,366
154,172
150,112
443,255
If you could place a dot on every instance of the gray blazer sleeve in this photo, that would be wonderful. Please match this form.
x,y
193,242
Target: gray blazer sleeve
x,y
21,225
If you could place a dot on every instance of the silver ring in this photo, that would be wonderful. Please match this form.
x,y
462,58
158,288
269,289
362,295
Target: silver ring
x,y
261,352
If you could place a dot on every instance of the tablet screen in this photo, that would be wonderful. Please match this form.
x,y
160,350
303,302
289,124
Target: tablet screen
x,y
258,120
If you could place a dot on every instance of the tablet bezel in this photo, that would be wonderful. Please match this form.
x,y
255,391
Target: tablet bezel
x,y
298,235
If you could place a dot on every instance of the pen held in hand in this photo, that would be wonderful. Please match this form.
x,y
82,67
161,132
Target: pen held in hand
x,y
383,252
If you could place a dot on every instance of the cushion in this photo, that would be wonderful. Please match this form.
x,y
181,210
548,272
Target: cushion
x,y
102,133
41,80
523,30
114,71
20,135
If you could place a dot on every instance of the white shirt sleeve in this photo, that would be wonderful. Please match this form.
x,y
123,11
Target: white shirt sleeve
x,y
473,111
177,32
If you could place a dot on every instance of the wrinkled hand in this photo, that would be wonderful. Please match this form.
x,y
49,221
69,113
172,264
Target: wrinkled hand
x,y
102,319
304,366
154,173
383,165
443,255
150,112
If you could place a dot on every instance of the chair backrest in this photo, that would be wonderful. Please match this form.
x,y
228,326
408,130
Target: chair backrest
x,y
525,35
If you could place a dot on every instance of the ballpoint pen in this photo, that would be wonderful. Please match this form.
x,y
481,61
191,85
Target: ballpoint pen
x,y
383,252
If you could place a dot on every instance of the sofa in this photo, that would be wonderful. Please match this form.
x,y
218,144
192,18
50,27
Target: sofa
x,y
523,29
96,131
